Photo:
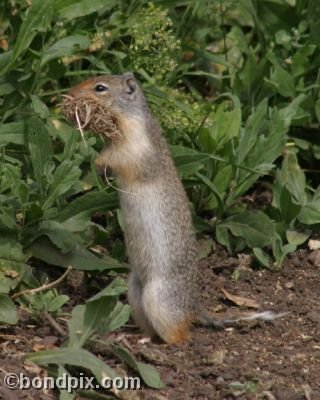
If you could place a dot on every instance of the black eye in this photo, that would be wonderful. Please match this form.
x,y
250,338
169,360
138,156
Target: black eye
x,y
101,88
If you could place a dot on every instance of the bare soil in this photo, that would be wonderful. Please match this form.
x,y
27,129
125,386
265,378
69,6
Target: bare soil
x,y
270,360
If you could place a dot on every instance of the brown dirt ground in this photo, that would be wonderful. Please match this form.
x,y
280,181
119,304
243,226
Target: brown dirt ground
x,y
278,360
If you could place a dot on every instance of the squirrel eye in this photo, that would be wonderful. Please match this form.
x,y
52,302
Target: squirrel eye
x,y
101,88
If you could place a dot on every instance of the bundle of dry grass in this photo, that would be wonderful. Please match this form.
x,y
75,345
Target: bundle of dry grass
x,y
91,115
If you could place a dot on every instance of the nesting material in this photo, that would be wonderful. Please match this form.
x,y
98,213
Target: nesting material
x,y
89,114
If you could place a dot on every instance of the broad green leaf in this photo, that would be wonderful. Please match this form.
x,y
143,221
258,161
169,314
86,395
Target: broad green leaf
x,y
88,204
147,372
214,190
6,88
301,60
102,313
116,287
262,257
57,303
39,146
4,60
95,313
39,107
70,9
37,19
8,312
268,146
65,240
222,236
256,228
76,357
79,258
117,318
310,213
223,178
64,178
226,124
288,206
8,216
296,238
13,132
293,177
281,79
188,161
75,325
280,251
255,126
66,47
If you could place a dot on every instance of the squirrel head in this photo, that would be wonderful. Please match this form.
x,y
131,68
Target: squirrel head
x,y
120,94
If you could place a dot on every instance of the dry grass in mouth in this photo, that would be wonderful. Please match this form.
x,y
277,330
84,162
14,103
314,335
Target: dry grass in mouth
x,y
89,114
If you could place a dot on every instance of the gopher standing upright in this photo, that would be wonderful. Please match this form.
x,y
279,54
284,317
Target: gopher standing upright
x,y
157,222
158,229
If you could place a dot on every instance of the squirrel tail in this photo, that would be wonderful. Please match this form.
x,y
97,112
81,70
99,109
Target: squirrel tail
x,y
206,319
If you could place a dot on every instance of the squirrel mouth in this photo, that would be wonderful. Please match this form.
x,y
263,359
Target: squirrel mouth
x,y
90,115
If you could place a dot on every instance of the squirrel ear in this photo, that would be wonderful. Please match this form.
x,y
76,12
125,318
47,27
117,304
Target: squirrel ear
x,y
131,84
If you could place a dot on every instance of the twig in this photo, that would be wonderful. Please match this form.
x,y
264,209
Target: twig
x,y
43,287
54,324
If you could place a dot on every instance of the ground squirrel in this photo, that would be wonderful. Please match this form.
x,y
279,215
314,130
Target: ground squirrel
x,y
159,234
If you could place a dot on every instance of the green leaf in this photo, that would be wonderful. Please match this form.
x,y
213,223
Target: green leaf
x,y
280,251
310,213
188,161
100,314
74,356
296,238
39,146
214,190
70,9
222,236
75,325
280,79
12,133
254,126
59,236
88,204
64,178
57,303
256,228
117,318
39,107
226,124
293,177
66,47
147,372
94,315
8,312
262,257
79,258
116,287
38,19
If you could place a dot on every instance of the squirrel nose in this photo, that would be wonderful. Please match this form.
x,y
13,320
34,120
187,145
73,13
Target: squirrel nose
x,y
80,90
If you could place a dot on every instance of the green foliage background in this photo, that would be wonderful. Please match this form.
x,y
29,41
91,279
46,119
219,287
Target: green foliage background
x,y
235,85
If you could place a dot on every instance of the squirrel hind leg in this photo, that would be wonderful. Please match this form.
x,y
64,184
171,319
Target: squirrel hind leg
x,y
135,300
168,321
